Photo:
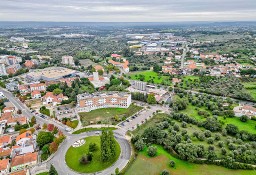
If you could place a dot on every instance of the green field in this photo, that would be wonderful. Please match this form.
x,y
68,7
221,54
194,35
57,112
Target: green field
x,y
92,129
250,88
150,75
44,173
74,124
247,126
73,156
155,165
108,115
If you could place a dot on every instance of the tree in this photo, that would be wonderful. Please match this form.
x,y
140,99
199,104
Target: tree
x,y
57,91
157,68
44,138
172,163
100,72
232,129
22,131
152,150
139,145
53,171
33,120
92,147
117,171
83,160
151,99
44,126
243,118
165,172
53,147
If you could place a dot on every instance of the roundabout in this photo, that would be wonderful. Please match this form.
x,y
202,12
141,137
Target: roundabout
x,y
61,160
75,154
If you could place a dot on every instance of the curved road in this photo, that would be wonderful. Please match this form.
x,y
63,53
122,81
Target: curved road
x,y
59,158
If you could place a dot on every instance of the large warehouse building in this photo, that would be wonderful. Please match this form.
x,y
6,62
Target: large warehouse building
x,y
50,74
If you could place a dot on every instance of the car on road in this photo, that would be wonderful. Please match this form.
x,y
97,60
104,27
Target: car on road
x,y
127,120
67,129
97,132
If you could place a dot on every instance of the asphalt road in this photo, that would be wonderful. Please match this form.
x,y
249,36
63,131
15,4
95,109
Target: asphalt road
x,y
59,158
26,111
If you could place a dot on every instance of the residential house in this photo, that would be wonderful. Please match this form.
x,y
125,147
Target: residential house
x,y
29,64
247,110
98,67
4,166
5,140
50,98
25,143
23,161
37,87
12,86
23,89
35,94
8,109
123,65
9,119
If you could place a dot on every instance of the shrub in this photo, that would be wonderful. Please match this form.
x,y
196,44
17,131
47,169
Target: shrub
x,y
92,147
152,150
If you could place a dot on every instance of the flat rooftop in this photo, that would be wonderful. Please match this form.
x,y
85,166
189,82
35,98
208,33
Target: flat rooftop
x,y
51,72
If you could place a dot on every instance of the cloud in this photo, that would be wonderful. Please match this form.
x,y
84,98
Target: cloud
x,y
127,10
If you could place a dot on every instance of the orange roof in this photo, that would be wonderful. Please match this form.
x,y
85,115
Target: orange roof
x,y
23,87
91,78
5,139
4,164
98,67
23,159
11,70
8,109
37,85
4,153
29,63
35,93
26,134
54,97
22,172
6,115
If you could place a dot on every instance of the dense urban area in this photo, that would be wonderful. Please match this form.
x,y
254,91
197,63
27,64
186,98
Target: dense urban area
x,y
128,98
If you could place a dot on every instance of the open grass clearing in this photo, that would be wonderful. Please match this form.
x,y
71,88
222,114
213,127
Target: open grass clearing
x,y
108,115
151,75
73,156
155,165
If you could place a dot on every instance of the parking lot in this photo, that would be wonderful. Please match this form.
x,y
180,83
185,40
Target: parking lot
x,y
132,122
65,111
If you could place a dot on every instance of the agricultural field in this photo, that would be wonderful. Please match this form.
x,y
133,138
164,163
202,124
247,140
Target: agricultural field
x,y
155,165
150,77
108,115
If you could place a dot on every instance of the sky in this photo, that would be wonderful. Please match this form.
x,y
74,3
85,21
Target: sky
x,y
127,10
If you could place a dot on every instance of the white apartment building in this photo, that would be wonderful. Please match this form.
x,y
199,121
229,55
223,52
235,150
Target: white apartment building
x,y
69,60
89,102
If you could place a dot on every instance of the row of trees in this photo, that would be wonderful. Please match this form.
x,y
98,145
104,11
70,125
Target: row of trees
x,y
108,145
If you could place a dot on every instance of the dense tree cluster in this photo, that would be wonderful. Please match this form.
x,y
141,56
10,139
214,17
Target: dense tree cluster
x,y
108,145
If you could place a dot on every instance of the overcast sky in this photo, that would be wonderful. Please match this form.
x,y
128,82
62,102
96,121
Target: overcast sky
x,y
127,10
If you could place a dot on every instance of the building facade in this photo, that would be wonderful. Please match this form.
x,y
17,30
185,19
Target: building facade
x,y
89,102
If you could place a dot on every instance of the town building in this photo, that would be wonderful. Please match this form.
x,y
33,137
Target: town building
x,y
5,140
2,69
68,60
25,143
24,89
12,86
29,64
98,67
37,87
88,102
247,110
98,81
49,74
50,98
24,161
140,85
4,166
123,65
35,94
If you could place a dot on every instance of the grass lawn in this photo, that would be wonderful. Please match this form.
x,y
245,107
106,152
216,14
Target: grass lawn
x,y
108,115
155,165
74,124
91,129
44,173
151,75
247,126
250,88
73,156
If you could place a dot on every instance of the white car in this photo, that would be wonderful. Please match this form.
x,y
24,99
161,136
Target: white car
x,y
67,129
97,132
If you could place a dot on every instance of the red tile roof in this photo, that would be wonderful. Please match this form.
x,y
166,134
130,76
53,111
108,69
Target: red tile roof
x,y
4,164
22,159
